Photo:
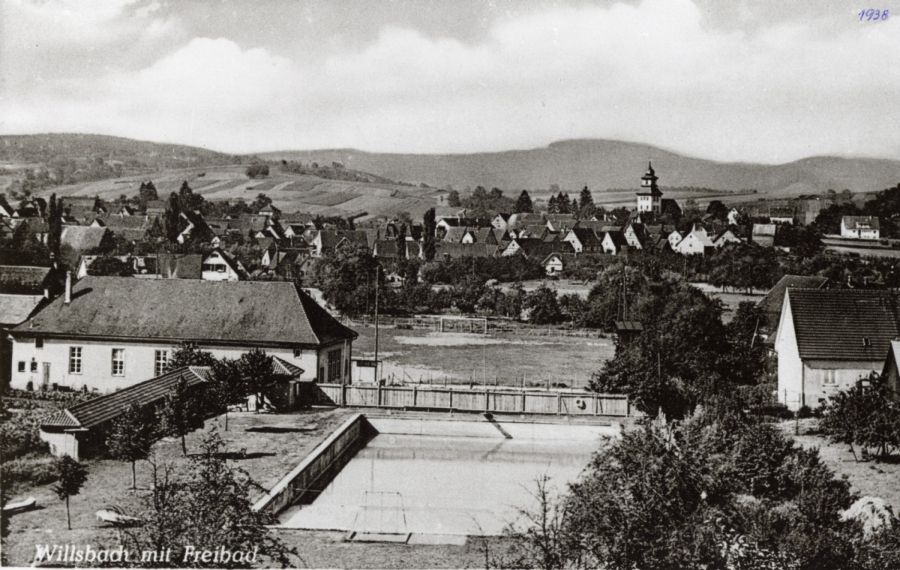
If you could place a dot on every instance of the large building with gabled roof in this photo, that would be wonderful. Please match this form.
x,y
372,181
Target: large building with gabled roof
x,y
108,333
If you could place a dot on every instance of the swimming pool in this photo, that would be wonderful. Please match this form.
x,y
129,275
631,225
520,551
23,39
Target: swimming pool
x,y
446,477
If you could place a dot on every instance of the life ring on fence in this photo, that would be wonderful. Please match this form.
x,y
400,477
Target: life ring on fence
x,y
580,403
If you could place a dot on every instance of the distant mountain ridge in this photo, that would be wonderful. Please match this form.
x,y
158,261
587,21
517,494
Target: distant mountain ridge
x,y
603,164
598,163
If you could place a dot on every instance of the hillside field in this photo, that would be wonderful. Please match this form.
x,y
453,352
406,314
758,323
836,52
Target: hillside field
x,y
289,192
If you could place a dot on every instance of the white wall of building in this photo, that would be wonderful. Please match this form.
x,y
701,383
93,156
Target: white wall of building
x,y
215,268
96,368
790,367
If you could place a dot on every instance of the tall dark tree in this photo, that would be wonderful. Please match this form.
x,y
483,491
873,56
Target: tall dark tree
x,y
553,205
524,204
54,222
453,199
429,227
400,240
147,193
586,205
131,437
172,218
71,477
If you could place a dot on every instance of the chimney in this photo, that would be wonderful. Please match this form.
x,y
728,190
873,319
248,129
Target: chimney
x,y
68,287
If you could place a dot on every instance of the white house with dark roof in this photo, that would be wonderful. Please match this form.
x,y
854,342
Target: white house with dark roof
x,y
108,333
219,266
828,339
860,227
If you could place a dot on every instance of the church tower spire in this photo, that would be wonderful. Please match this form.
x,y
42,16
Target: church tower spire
x,y
649,198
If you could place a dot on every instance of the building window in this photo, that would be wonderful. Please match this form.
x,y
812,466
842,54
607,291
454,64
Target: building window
x,y
39,342
160,362
298,352
334,365
118,362
74,360
33,366
829,378
21,366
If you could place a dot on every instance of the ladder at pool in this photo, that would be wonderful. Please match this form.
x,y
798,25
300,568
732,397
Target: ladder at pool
x,y
383,512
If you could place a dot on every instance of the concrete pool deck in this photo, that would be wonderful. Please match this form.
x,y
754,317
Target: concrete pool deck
x,y
430,478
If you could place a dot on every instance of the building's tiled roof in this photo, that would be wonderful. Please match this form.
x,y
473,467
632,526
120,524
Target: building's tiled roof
x,y
286,368
23,278
386,248
861,222
843,324
103,409
618,238
454,234
444,249
180,265
83,238
483,235
588,238
536,247
14,309
774,299
244,313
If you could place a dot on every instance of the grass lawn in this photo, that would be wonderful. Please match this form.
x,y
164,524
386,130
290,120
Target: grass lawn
x,y
272,454
426,356
868,478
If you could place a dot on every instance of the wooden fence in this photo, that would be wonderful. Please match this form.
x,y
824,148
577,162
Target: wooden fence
x,y
502,400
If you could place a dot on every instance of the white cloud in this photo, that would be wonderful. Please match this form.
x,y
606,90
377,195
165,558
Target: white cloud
x,y
654,72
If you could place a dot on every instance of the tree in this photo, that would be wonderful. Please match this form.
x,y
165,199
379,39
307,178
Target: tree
x,y
429,228
829,220
453,199
131,437
544,306
717,210
586,205
208,508
258,372
147,193
187,354
182,413
71,477
523,203
718,490
54,230
866,415
107,265
257,170
348,278
260,202
172,219
679,359
227,386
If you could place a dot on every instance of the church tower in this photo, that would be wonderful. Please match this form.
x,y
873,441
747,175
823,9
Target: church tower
x,y
649,199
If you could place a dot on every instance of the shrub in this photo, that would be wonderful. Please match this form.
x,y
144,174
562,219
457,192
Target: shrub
x,y
865,415
29,470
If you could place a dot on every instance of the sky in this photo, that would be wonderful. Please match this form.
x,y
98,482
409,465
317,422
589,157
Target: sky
x,y
737,80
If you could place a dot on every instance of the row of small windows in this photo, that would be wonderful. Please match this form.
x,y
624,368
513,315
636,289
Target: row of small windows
x,y
117,362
